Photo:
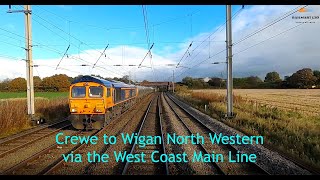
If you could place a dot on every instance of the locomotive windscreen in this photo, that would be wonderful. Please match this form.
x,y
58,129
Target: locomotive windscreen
x,y
78,92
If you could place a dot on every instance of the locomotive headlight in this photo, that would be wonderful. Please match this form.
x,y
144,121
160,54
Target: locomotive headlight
x,y
98,110
73,110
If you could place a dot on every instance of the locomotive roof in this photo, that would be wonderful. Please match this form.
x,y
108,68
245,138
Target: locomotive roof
x,y
116,84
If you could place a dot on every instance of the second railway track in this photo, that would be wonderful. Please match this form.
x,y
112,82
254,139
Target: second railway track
x,y
20,141
194,126
46,160
151,125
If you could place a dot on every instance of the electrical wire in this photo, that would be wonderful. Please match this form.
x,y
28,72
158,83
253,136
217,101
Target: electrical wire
x,y
270,24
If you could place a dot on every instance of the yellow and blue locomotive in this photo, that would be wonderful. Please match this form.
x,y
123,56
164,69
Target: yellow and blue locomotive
x,y
94,101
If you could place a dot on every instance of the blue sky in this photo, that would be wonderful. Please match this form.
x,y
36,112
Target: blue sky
x,y
98,25
171,28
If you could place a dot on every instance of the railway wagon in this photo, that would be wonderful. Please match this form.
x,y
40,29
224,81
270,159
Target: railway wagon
x,y
94,102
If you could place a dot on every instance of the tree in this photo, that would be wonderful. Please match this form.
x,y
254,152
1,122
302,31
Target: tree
x,y
272,77
216,82
253,80
247,82
71,79
4,85
303,78
116,79
316,73
37,82
98,76
77,77
125,79
187,81
18,84
194,82
57,82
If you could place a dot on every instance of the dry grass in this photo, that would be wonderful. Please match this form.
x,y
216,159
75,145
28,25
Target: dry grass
x,y
291,129
13,113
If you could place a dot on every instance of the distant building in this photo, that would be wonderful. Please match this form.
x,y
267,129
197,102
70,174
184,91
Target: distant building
x,y
206,79
167,86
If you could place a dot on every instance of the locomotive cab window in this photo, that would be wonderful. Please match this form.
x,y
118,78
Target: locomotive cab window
x,y
95,91
78,92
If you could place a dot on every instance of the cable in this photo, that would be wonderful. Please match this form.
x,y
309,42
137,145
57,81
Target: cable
x,y
64,32
100,56
12,44
146,25
220,27
202,62
48,47
236,14
70,35
184,54
62,57
146,55
254,33
11,37
116,28
12,58
81,43
271,37
53,67
138,43
269,24
37,70
38,44
50,30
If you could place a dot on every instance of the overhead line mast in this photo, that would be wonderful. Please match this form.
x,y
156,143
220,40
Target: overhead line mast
x,y
29,62
229,64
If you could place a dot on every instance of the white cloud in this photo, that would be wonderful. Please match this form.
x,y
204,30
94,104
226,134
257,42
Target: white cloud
x,y
71,65
286,53
12,69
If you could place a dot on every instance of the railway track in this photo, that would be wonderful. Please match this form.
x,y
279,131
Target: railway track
x,y
150,126
89,168
24,139
297,162
48,159
194,126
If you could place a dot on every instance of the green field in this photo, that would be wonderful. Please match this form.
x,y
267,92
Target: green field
x,y
49,95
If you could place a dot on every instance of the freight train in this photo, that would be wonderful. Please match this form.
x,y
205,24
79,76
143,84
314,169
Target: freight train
x,y
94,102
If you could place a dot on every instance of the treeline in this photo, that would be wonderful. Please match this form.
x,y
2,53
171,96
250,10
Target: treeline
x,y
55,83
303,78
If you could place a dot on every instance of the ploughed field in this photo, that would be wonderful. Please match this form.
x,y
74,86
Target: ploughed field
x,y
303,100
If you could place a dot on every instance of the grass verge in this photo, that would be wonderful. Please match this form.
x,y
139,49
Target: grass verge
x,y
49,95
13,113
289,131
